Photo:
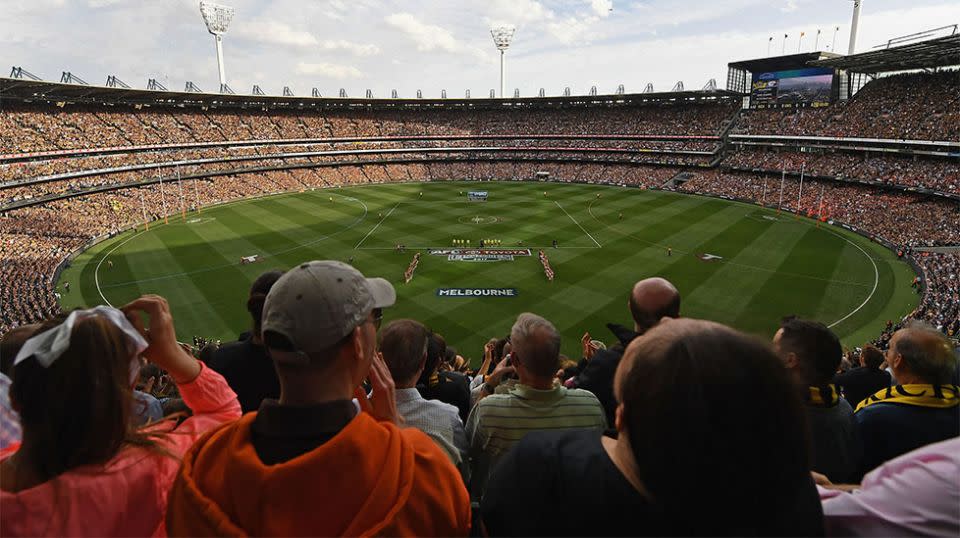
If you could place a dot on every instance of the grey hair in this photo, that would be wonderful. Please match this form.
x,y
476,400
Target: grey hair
x,y
934,362
537,343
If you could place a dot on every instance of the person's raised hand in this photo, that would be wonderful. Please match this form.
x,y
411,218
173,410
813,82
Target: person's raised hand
x,y
820,480
383,401
163,348
586,342
499,371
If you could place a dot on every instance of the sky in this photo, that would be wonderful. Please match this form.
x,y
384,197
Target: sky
x,y
434,45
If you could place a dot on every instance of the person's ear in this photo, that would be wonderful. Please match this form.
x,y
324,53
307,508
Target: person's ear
x,y
618,418
357,339
790,360
895,361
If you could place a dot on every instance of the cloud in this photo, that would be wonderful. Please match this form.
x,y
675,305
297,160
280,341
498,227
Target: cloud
x,y
517,12
95,4
357,49
275,32
572,30
339,72
430,37
790,6
601,8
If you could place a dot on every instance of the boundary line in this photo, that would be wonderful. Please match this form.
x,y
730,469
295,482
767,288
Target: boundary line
x,y
357,246
96,272
578,224
876,280
876,271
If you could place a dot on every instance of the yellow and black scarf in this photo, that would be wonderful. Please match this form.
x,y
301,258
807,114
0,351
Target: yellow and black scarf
x,y
823,396
934,396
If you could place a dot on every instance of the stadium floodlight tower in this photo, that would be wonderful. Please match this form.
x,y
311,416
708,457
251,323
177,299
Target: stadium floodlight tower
x,y
502,36
853,27
217,18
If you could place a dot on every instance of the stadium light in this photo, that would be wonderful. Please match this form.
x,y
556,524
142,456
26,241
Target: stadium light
x,y
833,44
217,19
853,26
502,36
816,42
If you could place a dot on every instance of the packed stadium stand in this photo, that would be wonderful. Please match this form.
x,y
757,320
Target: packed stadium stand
x,y
329,416
78,166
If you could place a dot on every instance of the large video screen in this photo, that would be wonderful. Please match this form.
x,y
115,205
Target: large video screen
x,y
811,87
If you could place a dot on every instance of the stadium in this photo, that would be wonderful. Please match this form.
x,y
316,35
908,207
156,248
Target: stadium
x,y
816,185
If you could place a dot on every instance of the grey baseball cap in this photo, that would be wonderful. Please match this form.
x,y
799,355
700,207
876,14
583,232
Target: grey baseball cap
x,y
318,303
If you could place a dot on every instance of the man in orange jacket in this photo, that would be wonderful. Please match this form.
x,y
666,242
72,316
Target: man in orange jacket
x,y
320,461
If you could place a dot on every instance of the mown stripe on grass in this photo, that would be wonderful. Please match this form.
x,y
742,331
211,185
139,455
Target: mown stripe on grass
x,y
785,293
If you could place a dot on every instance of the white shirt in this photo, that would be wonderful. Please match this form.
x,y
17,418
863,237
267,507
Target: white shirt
x,y
439,420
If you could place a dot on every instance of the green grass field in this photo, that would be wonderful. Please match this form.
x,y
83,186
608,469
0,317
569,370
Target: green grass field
x,y
771,265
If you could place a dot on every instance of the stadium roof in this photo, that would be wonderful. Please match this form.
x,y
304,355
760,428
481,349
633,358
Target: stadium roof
x,y
940,52
781,63
23,90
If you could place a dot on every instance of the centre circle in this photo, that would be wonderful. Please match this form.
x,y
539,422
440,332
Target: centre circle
x,y
478,219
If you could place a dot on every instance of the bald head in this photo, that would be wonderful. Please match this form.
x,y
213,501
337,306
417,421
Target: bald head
x,y
923,353
651,300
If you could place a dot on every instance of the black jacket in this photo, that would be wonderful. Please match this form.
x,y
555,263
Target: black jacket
x,y
597,373
859,383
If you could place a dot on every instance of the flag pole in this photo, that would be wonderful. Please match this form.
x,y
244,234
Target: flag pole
x,y
163,199
143,206
196,194
783,177
820,212
183,211
800,192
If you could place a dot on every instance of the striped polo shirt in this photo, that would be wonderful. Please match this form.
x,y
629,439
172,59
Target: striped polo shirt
x,y
498,421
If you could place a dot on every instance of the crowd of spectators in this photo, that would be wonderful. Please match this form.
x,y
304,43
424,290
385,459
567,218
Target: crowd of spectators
x,y
914,106
901,218
81,181
37,239
940,174
33,128
351,428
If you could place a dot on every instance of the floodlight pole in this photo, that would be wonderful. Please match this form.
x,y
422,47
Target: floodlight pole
x,y
853,26
502,36
223,75
217,19
833,44
501,72
783,49
816,42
